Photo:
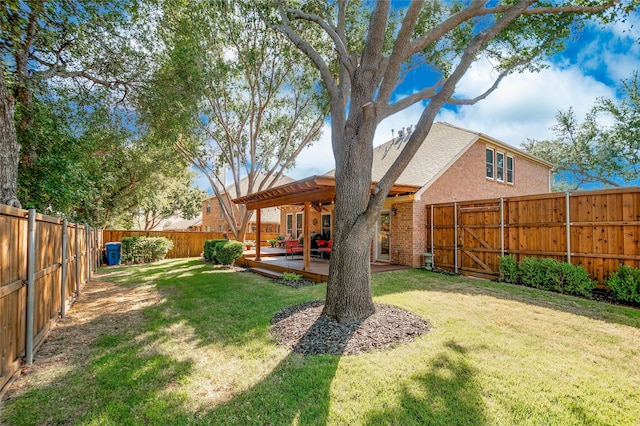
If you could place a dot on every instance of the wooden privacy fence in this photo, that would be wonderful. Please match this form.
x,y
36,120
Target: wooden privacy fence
x,y
596,229
185,243
44,263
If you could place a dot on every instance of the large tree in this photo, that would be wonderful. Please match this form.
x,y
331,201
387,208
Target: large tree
x,y
240,101
91,163
83,42
603,149
371,58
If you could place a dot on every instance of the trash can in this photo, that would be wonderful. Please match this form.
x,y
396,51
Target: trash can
x,y
113,253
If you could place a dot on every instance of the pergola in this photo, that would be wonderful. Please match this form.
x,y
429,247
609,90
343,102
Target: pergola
x,y
312,192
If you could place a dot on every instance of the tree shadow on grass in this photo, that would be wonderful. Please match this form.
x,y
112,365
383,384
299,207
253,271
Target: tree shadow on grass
x,y
419,280
446,394
106,379
297,391
135,274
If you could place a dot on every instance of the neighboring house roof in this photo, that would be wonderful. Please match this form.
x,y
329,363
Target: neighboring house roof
x,y
444,145
180,224
268,215
244,185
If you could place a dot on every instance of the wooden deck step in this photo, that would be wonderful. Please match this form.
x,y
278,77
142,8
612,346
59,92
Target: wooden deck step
x,y
266,272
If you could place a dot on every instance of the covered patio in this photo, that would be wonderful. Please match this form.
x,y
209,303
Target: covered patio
x,y
311,193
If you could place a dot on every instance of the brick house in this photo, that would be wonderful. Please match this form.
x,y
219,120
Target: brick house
x,y
453,164
213,219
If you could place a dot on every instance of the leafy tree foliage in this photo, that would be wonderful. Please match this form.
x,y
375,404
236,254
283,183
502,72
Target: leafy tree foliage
x,y
240,101
604,149
169,196
89,164
78,44
375,46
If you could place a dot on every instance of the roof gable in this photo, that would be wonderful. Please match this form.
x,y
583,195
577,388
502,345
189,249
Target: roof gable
x,y
444,145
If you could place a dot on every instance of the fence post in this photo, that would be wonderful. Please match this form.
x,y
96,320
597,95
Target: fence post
x,y
568,226
96,251
87,239
502,227
63,287
432,243
455,236
31,258
77,260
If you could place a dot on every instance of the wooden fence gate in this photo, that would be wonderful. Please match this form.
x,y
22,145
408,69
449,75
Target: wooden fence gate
x,y
479,239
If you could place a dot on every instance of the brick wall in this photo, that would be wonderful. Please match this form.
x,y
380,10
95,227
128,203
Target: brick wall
x,y
216,224
464,180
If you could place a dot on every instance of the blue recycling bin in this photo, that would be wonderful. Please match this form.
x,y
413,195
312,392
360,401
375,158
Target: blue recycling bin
x,y
113,253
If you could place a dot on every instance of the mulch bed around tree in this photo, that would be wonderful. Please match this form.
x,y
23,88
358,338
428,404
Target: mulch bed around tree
x,y
305,330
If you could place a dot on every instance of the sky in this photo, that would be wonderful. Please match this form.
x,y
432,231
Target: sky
x,y
525,105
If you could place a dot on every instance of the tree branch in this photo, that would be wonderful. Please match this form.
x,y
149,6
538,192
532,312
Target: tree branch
x,y
308,50
338,42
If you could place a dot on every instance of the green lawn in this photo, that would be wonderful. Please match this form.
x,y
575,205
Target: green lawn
x,y
496,354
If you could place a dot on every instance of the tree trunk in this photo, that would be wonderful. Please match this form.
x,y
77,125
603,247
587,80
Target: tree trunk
x,y
349,297
9,148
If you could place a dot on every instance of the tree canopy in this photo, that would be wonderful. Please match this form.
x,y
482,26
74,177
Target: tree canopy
x,y
238,99
77,44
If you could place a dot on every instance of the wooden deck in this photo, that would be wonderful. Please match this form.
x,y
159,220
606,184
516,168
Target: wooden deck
x,y
274,261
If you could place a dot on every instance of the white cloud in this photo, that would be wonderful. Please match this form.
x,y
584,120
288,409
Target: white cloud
x,y
615,50
525,105
316,159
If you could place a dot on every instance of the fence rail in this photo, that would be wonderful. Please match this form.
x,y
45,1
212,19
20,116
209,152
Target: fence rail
x,y
596,229
185,243
44,263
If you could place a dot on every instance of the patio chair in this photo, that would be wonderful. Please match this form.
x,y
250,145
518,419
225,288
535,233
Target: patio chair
x,y
326,249
292,248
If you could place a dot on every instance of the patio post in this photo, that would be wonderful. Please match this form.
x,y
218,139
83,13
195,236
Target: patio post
x,y
306,253
258,236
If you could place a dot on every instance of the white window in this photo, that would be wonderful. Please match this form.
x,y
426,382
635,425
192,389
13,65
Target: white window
x,y
207,228
208,207
290,224
299,224
221,214
500,166
489,160
325,230
509,169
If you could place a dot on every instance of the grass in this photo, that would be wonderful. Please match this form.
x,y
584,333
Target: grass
x,y
497,354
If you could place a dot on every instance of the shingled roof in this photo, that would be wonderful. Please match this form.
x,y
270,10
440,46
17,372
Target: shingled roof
x,y
444,145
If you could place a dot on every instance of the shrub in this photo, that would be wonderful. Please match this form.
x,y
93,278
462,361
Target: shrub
x,y
625,284
509,269
574,280
291,276
228,252
128,249
145,249
211,248
547,274
530,272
